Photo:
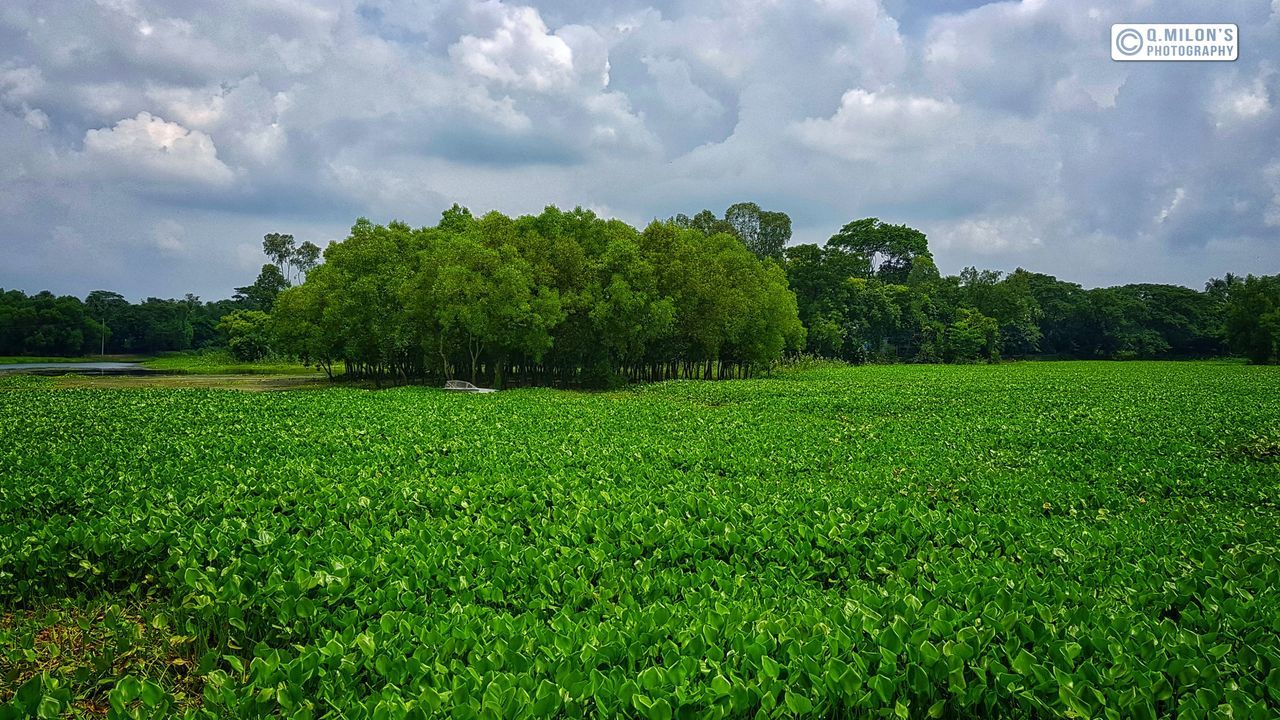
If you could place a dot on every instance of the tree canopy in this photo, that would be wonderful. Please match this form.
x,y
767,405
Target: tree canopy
x,y
560,298
565,297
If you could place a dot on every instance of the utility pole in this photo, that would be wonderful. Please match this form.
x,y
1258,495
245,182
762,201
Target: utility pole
x,y
104,336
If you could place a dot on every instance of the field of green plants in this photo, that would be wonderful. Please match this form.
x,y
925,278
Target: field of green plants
x,y
1021,540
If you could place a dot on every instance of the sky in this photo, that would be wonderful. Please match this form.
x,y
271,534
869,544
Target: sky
x,y
146,146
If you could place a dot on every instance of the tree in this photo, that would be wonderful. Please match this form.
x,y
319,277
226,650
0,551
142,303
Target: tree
x,y
973,336
764,232
261,295
248,334
890,249
280,249
305,258
1253,318
105,306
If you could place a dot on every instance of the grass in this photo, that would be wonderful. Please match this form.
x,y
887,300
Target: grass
x,y
25,359
1029,539
220,362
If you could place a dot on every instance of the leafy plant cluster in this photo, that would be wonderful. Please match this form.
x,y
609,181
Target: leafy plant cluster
x,y
1029,540
560,297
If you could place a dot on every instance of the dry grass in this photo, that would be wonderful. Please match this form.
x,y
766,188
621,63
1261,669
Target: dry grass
x,y
88,649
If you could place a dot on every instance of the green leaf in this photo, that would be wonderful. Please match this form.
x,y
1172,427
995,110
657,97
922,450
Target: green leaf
x,y
547,700
1023,662
769,667
152,694
797,703
883,687
659,710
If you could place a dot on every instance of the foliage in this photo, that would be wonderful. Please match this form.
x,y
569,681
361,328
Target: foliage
x,y
248,334
764,232
86,659
261,295
222,362
557,298
1253,318
1023,540
890,250
973,336
874,292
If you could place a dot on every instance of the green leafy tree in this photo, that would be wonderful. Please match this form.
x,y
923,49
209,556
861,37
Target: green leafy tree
x,y
890,249
261,295
280,249
248,334
1253,318
973,336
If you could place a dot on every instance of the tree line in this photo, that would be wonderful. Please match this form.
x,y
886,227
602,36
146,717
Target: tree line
x,y
568,298
873,293
105,323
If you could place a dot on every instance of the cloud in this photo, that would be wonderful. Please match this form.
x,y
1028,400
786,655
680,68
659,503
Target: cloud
x,y
522,54
153,149
870,125
168,237
1003,129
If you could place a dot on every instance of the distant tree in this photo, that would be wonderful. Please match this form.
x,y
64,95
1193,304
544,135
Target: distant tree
x,y
103,307
707,223
890,249
261,295
1253,318
248,334
1010,302
305,258
279,248
973,336
764,232
456,219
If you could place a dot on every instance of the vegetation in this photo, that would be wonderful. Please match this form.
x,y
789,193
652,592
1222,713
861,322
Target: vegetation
x,y
105,323
224,362
1026,540
566,298
873,293
558,298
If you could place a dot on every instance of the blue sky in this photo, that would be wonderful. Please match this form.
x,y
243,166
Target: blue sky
x,y
147,145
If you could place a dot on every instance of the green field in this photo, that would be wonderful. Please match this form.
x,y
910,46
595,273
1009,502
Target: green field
x,y
1019,540
220,362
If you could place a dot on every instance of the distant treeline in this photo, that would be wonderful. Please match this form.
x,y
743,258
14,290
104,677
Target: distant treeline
x,y
568,298
873,293
104,322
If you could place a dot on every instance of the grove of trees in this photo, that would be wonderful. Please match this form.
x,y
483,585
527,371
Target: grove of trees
x,y
558,298
568,298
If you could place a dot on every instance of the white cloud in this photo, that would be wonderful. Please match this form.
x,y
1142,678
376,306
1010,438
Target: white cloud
x,y
987,235
679,93
194,107
154,149
520,52
1179,194
870,125
20,83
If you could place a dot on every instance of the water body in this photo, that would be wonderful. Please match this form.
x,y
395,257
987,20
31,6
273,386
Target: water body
x,y
85,368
